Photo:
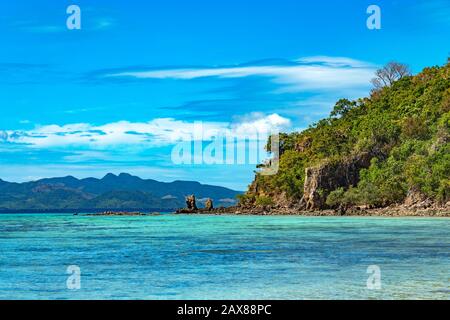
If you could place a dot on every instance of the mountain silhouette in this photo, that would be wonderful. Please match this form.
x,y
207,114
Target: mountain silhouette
x,y
112,192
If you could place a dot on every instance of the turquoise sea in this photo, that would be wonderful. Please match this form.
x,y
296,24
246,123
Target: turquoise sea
x,y
223,257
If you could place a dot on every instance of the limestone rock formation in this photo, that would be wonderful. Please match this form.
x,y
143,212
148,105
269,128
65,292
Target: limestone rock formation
x,y
209,204
190,203
323,179
414,197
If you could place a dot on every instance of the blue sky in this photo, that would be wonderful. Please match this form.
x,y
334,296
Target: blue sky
x,y
116,95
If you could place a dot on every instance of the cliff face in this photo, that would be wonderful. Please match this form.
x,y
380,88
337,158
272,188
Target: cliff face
x,y
320,180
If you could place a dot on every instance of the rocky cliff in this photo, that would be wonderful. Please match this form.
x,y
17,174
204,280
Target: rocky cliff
x,y
322,179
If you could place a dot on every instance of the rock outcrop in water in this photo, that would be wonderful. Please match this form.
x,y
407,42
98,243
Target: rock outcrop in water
x,y
209,204
191,206
191,203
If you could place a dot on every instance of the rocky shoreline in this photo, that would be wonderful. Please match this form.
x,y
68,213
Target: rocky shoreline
x,y
395,211
425,209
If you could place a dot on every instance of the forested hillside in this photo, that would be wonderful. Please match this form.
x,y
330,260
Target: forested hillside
x,y
122,192
390,148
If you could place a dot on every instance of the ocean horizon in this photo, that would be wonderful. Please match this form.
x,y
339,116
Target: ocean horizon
x,y
223,257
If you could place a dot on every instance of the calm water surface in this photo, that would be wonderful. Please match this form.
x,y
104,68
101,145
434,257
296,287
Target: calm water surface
x,y
223,257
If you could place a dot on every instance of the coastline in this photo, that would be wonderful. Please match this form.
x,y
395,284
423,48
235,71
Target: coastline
x,y
392,211
417,210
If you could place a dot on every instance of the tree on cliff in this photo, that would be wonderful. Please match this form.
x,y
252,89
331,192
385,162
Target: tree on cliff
x,y
342,107
390,73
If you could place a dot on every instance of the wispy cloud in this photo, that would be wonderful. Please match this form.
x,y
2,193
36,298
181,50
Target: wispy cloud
x,y
103,23
336,62
309,73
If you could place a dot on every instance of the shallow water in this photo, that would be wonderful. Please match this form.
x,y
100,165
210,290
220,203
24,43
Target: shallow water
x,y
223,257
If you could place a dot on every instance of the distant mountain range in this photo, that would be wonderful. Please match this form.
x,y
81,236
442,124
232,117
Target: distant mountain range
x,y
112,192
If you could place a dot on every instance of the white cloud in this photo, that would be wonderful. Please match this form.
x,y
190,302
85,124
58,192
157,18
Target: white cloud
x,y
261,124
335,61
157,132
169,197
318,73
104,23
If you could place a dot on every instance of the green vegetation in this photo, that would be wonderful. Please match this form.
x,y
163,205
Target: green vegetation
x,y
264,201
405,128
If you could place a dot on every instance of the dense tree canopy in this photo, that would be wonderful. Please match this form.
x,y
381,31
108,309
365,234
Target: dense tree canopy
x,y
405,124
